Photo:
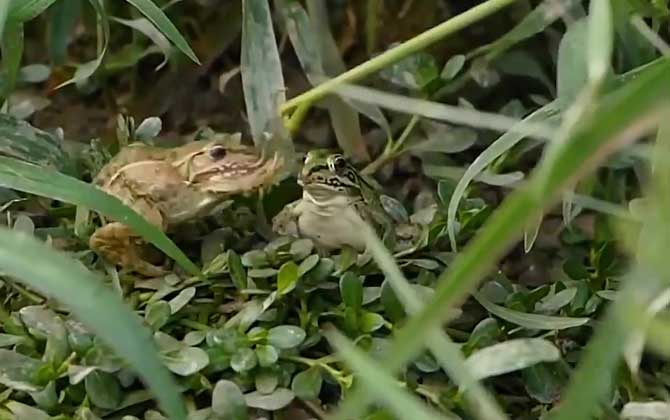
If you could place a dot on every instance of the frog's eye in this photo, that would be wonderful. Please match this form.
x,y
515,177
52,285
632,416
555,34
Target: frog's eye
x,y
339,163
217,153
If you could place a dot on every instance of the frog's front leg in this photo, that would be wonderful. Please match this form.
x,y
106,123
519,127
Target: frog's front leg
x,y
285,223
120,245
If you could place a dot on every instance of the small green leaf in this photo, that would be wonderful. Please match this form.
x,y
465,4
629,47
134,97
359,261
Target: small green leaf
x,y
187,360
307,384
182,299
148,129
267,355
18,371
279,399
351,290
228,401
243,360
286,336
301,248
510,356
308,264
453,66
266,381
287,278
256,258
543,383
103,389
371,321
237,271
26,412
157,314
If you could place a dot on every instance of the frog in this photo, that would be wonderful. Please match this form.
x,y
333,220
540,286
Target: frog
x,y
169,186
334,191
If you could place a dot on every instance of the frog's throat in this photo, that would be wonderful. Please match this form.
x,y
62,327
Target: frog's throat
x,y
323,197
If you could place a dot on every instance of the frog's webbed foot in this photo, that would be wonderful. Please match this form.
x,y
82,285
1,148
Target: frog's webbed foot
x,y
117,244
285,223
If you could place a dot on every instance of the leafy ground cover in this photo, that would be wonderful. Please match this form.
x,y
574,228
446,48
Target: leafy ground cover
x,y
530,137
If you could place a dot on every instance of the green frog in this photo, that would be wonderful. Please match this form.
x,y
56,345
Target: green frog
x,y
333,190
169,186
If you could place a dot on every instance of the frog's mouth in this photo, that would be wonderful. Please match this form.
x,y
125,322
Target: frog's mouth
x,y
245,173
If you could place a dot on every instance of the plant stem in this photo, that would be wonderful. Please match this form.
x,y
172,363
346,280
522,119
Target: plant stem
x,y
393,149
403,50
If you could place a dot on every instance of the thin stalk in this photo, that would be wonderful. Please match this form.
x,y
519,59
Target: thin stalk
x,y
403,50
393,149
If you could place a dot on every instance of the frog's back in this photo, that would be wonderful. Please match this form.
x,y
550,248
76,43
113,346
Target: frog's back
x,y
132,153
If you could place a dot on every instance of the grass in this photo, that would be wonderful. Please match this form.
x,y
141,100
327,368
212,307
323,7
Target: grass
x,y
274,324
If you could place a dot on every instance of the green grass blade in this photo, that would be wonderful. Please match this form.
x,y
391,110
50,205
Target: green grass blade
x,y
21,140
33,179
86,70
163,23
262,78
61,22
98,307
625,114
446,352
530,321
592,380
25,10
379,384
4,11
600,40
549,112
12,52
401,51
533,23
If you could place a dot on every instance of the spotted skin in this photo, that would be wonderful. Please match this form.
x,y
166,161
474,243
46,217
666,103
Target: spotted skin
x,y
172,186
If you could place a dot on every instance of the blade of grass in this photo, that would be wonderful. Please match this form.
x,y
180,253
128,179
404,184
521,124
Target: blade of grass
x,y
446,352
440,111
98,307
4,11
86,70
593,378
533,23
12,52
312,56
262,78
375,380
33,179
163,23
530,321
61,22
23,11
622,116
600,40
548,113
403,50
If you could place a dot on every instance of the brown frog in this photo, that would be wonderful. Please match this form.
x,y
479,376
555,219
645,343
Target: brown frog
x,y
169,186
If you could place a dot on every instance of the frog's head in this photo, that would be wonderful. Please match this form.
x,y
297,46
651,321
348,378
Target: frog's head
x,y
219,166
326,172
